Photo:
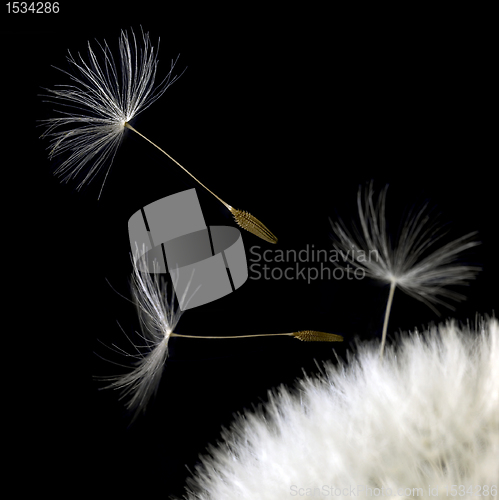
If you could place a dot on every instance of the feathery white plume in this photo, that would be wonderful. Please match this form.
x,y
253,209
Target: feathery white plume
x,y
412,263
158,318
107,98
102,98
427,416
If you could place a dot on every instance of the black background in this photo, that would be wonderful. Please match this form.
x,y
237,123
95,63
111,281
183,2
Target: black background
x,y
283,114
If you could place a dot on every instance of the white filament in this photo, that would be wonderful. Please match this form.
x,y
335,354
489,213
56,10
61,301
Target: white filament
x,y
103,95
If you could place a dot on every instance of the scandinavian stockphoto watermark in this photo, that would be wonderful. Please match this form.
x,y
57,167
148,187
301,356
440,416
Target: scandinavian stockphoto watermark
x,y
307,264
454,490
358,490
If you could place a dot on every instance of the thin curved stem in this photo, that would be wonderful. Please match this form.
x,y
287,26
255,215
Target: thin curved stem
x,y
304,335
127,125
387,316
242,218
231,336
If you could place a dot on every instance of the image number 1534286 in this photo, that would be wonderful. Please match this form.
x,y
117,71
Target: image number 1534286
x,y
32,7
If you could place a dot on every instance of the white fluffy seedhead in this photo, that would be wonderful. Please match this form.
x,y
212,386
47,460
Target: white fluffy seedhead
x,y
413,263
103,95
158,318
428,415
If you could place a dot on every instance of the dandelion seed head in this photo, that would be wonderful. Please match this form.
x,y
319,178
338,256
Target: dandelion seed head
x,y
427,415
102,96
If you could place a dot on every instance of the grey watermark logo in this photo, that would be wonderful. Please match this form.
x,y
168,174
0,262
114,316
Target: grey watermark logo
x,y
170,236
360,491
307,264
364,491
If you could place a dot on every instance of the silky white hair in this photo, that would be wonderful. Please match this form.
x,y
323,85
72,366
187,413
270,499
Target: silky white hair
x,y
158,317
413,263
426,416
101,96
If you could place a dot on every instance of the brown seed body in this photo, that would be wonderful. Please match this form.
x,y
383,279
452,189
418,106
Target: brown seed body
x,y
313,336
253,225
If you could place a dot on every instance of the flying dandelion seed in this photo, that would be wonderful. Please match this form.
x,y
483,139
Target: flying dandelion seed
x,y
410,264
99,103
158,319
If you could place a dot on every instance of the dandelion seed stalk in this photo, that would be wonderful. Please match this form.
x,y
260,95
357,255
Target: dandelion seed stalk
x,y
127,125
243,219
304,335
387,317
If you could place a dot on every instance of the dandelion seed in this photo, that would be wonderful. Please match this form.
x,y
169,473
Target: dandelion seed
x,y
410,264
158,319
101,101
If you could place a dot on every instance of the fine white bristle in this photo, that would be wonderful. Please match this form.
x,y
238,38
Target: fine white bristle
x,y
414,263
102,96
158,318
